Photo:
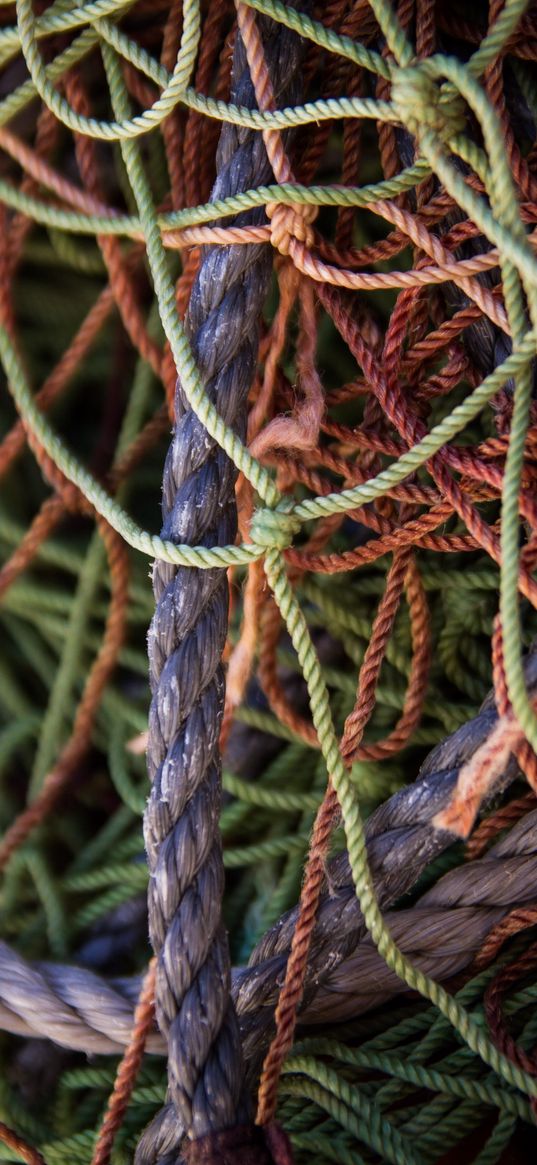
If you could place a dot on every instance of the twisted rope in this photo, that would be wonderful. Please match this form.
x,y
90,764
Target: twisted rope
x,y
186,641
401,841
400,377
441,932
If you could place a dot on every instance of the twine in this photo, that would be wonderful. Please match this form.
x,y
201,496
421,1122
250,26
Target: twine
x,y
343,474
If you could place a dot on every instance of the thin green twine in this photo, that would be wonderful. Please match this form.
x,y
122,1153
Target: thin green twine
x,y
502,225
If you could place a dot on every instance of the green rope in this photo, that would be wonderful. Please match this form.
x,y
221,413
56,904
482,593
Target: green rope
x,y
54,719
354,830
328,1109
116,223
268,532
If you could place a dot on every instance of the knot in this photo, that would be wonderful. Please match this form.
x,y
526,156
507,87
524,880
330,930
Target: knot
x,y
422,103
290,222
274,529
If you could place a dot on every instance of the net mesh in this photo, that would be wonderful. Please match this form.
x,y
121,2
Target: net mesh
x,y
384,574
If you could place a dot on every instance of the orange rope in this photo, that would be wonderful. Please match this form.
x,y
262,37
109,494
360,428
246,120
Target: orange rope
x,y
128,1069
14,1141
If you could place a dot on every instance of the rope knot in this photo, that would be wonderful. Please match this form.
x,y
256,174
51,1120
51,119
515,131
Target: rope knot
x,y
421,103
274,529
290,222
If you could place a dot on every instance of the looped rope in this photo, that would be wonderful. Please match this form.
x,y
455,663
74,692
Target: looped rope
x,y
291,222
421,103
435,112
274,529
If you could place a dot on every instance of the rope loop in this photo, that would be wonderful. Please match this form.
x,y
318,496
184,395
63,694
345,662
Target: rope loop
x,y
291,222
421,102
274,529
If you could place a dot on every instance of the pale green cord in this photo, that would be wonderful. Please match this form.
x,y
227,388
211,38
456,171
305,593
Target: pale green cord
x,y
429,445
280,800
326,38
507,227
267,533
60,19
503,226
176,90
129,225
140,539
191,382
83,604
407,1070
24,93
396,38
497,37
469,1031
156,71
362,1118
54,914
505,207
130,127
66,675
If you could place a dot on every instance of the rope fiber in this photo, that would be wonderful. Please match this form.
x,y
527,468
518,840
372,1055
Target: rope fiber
x,y
303,238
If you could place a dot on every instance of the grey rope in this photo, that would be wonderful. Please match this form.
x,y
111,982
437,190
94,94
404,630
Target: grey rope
x,y
186,640
401,842
441,932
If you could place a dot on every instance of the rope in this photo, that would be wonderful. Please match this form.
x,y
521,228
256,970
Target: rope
x,y
440,932
205,1082
383,475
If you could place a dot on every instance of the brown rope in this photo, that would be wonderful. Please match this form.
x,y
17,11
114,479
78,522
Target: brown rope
x,y
128,1069
14,1141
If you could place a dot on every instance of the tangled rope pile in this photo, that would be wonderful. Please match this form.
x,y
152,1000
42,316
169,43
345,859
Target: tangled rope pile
x,y
305,165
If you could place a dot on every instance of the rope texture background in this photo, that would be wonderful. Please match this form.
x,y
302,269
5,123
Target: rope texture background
x,y
386,503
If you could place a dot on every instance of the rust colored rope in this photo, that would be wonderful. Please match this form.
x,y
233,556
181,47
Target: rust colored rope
x,y
19,1145
374,656
295,972
494,997
48,517
13,443
128,1069
271,626
120,279
516,921
403,368
504,817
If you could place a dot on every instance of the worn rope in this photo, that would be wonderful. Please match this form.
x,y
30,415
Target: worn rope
x,y
352,494
441,932
184,856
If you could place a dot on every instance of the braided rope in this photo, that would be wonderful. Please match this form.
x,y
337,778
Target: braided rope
x,y
421,103
186,641
441,932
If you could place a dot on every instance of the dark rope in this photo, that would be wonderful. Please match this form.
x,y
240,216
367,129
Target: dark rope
x,y
243,1145
401,843
441,933
186,641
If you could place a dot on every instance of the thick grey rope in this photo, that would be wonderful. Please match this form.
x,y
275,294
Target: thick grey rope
x,y
401,841
441,933
186,641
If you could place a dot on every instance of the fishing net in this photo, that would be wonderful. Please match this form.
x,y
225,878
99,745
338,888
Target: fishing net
x,y
303,239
